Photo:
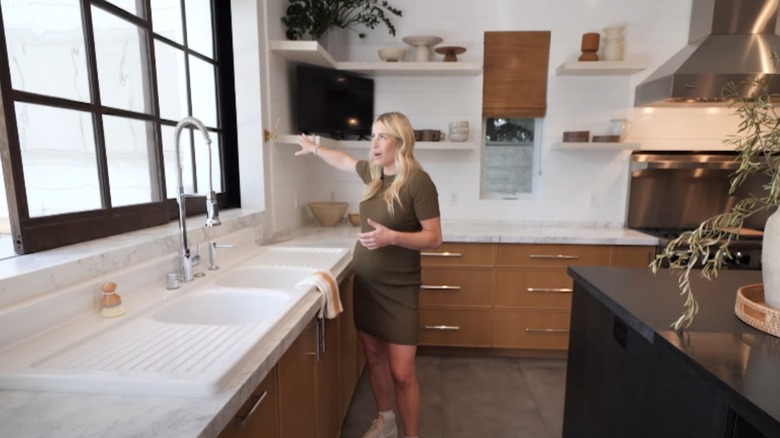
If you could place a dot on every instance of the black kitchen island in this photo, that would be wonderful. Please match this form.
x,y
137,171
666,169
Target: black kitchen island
x,y
629,375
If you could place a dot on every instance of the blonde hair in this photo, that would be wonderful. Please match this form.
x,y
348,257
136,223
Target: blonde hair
x,y
405,164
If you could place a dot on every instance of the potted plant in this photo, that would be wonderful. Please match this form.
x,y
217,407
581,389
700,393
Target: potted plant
x,y
306,19
757,143
315,17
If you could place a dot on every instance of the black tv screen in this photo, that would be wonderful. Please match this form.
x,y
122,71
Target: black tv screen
x,y
333,102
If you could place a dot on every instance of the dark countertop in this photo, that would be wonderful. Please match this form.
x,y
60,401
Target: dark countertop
x,y
739,361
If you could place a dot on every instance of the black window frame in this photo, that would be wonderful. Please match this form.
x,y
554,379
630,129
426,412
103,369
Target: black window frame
x,y
47,232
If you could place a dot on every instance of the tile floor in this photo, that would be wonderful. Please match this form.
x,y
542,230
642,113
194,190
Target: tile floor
x,y
477,397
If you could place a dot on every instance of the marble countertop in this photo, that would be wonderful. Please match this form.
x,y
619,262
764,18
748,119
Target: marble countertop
x,y
490,232
41,414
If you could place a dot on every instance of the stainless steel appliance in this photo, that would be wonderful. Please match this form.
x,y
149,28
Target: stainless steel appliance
x,y
729,41
674,191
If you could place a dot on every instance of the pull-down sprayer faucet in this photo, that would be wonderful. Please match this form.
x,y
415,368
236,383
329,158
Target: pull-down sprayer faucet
x,y
212,215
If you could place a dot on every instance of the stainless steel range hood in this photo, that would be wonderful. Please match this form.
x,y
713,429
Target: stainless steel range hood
x,y
729,41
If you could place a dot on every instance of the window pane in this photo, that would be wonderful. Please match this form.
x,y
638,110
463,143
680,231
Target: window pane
x,y
169,157
507,165
46,37
199,36
166,19
202,163
130,6
171,81
130,154
122,62
58,159
204,92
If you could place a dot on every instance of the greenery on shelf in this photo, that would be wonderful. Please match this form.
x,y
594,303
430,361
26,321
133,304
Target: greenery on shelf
x,y
314,17
757,143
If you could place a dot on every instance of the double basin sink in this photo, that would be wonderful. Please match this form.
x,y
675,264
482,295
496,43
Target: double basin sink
x,y
190,342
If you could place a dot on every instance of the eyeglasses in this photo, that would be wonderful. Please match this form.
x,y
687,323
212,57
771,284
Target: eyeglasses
x,y
382,136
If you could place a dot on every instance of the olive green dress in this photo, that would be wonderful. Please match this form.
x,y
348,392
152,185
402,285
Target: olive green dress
x,y
387,280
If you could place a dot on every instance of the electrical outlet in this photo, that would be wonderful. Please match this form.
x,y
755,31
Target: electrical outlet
x,y
454,198
595,200
332,196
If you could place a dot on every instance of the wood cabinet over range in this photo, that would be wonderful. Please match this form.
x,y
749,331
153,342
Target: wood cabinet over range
x,y
505,295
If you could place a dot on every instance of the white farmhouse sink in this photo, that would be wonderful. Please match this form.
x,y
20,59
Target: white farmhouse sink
x,y
265,277
222,307
183,343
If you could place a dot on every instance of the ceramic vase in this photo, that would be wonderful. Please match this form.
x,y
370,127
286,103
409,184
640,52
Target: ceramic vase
x,y
336,42
770,260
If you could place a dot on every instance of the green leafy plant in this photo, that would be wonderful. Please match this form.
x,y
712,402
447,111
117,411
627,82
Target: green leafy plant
x,y
757,143
315,17
368,13
307,18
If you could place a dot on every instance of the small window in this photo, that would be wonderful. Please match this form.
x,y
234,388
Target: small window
x,y
508,162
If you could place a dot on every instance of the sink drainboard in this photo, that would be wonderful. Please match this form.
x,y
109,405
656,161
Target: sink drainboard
x,y
145,357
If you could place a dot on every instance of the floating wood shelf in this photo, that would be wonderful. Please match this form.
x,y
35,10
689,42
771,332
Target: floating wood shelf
x,y
364,144
311,52
598,68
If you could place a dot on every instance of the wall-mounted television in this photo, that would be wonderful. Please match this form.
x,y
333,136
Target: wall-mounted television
x,y
333,103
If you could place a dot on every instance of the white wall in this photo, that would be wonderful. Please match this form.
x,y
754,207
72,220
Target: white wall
x,y
582,186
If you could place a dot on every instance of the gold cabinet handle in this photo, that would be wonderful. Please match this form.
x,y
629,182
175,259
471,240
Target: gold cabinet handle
x,y
550,290
554,256
438,287
259,399
442,327
546,330
441,254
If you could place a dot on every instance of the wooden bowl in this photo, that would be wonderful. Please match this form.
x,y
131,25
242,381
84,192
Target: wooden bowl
x,y
354,219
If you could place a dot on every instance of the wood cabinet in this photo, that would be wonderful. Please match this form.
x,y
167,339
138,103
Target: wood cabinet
x,y
318,374
507,296
632,256
297,396
456,295
533,293
258,416
349,351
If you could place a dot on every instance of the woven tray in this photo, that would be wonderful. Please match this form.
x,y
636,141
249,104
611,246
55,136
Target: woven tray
x,y
752,309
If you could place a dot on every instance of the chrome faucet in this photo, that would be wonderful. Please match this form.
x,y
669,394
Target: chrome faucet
x,y
212,216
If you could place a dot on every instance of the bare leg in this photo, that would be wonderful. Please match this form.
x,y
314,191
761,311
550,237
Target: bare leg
x,y
407,389
378,370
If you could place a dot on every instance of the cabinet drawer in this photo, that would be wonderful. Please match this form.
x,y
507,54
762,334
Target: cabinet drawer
x,y
462,328
454,287
632,256
541,330
459,254
525,288
258,415
552,256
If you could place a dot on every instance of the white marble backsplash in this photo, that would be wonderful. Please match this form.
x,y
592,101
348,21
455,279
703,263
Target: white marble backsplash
x,y
34,275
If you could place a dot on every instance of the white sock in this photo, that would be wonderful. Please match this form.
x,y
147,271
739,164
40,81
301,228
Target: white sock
x,y
387,415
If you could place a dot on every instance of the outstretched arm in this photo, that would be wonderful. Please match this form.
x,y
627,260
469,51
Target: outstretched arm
x,y
335,158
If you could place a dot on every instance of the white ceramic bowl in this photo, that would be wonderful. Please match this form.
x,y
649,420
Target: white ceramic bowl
x,y
392,54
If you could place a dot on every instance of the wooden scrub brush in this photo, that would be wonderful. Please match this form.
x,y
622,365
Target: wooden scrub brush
x,y
110,303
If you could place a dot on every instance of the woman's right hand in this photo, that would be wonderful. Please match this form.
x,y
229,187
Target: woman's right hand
x,y
307,146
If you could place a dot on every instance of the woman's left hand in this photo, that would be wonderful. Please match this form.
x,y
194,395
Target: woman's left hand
x,y
380,237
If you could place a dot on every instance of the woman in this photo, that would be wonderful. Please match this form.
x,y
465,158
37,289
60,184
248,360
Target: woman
x,y
399,216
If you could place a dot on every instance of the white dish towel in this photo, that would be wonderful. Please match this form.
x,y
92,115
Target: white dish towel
x,y
329,293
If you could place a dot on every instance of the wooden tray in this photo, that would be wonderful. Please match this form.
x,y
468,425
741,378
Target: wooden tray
x,y
752,309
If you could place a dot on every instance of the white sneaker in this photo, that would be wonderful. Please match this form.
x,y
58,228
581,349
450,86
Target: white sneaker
x,y
382,429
